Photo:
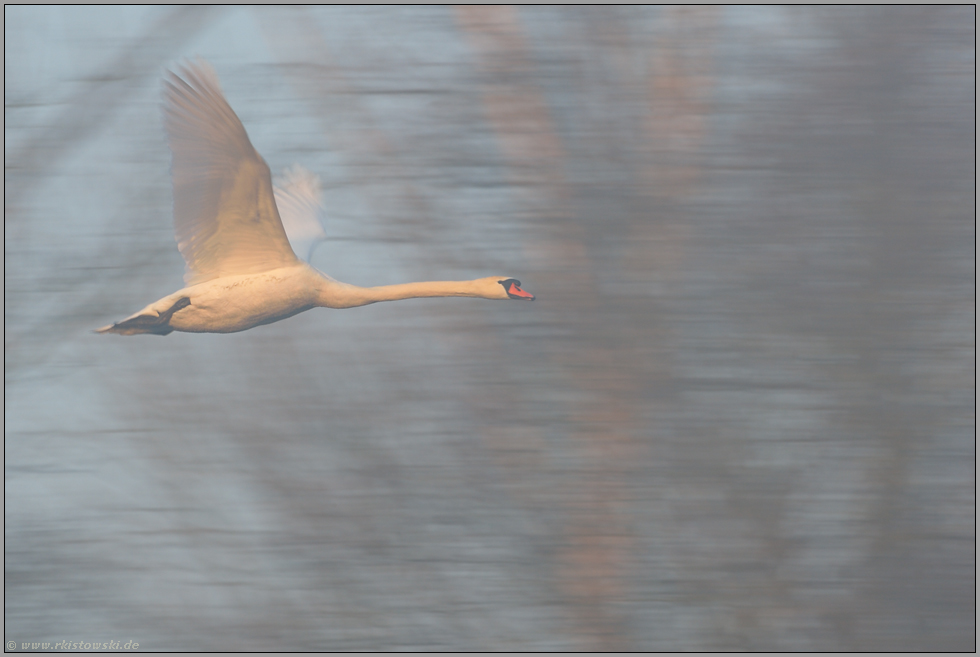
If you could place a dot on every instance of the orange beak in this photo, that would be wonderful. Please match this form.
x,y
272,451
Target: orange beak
x,y
514,290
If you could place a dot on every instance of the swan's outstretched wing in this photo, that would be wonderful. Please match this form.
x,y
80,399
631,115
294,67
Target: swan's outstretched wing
x,y
300,204
225,216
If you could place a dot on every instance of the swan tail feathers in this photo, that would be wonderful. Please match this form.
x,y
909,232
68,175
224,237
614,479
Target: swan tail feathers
x,y
156,324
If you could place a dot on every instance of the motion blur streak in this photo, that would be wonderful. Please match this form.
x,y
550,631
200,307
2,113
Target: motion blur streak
x,y
739,416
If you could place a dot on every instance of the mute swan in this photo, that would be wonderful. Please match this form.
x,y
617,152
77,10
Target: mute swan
x,y
241,270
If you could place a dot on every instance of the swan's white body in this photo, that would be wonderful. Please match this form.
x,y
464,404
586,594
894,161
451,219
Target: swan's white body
x,y
236,303
242,264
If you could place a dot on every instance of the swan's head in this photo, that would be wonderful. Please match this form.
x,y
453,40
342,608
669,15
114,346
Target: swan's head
x,y
511,288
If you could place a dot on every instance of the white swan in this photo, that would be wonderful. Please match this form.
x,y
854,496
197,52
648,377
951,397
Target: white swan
x,y
241,270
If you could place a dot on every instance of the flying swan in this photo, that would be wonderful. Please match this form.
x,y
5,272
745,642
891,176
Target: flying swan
x,y
241,269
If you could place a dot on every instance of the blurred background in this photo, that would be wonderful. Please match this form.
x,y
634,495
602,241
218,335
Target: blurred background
x,y
740,415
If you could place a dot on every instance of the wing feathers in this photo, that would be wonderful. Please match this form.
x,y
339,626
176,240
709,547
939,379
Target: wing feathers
x,y
225,216
300,204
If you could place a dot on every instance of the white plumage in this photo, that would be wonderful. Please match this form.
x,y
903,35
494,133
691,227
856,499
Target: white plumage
x,y
300,202
240,237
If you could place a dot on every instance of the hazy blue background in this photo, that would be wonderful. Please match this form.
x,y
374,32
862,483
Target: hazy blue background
x,y
739,416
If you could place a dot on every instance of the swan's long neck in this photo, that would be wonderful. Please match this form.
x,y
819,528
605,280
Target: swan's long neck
x,y
424,289
334,294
